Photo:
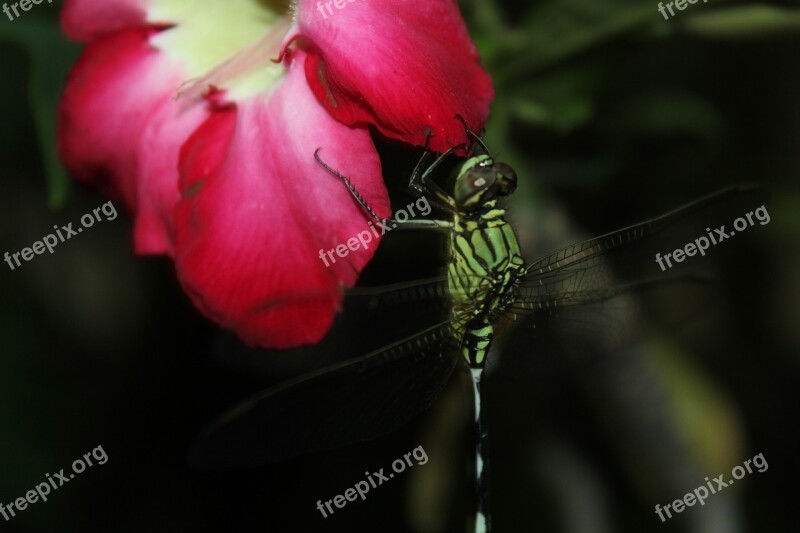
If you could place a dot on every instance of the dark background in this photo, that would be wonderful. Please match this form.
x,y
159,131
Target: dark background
x,y
610,115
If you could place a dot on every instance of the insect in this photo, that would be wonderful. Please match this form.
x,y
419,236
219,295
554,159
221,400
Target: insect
x,y
488,287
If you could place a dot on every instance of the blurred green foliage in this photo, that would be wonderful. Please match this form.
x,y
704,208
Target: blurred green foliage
x,y
602,106
50,57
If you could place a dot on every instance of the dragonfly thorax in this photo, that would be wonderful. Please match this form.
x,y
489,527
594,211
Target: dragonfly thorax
x,y
484,270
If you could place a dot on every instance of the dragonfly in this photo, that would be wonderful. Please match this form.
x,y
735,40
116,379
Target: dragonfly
x,y
488,288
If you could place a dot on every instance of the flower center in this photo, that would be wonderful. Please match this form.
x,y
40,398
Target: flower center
x,y
226,45
246,72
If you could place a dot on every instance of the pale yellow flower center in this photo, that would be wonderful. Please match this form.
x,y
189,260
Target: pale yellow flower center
x,y
227,44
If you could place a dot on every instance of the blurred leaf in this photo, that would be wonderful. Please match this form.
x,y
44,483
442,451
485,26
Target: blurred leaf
x,y
558,29
708,418
51,57
670,112
784,205
562,101
485,18
562,120
744,22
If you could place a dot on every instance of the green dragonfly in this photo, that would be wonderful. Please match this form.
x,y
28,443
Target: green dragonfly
x,y
488,287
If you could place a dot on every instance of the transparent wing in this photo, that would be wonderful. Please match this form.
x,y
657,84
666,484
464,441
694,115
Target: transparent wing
x,y
428,290
356,400
578,306
587,272
578,339
597,269
370,317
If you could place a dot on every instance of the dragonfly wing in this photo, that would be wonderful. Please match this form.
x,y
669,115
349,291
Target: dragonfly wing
x,y
370,316
588,297
428,290
630,253
624,260
574,336
358,399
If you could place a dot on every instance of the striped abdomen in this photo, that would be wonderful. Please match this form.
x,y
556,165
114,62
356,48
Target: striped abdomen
x,y
484,268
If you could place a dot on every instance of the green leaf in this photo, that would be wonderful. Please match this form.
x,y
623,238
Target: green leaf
x,y
705,414
670,112
51,57
559,29
744,22
562,100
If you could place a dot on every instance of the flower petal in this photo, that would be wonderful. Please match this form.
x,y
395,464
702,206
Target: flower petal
x,y
84,20
157,178
407,67
120,128
104,109
257,211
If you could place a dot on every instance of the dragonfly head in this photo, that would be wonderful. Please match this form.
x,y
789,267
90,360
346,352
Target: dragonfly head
x,y
481,179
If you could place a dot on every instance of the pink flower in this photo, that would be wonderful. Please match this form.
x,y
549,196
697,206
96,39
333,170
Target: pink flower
x,y
222,178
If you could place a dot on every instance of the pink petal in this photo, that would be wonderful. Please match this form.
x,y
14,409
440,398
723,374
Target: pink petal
x,y
104,109
168,128
84,20
257,209
407,67
120,128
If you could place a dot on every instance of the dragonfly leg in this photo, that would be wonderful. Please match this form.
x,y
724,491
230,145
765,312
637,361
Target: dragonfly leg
x,y
363,203
470,133
421,183
424,223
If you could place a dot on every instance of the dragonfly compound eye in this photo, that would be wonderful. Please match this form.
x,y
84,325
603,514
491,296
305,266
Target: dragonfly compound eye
x,y
471,186
505,179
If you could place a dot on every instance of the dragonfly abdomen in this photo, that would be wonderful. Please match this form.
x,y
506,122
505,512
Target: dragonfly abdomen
x,y
485,266
475,344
